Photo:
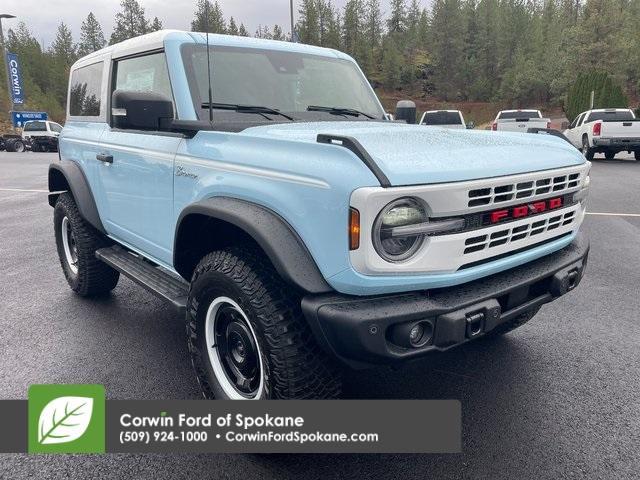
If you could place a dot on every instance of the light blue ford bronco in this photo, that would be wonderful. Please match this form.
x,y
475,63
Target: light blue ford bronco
x,y
260,188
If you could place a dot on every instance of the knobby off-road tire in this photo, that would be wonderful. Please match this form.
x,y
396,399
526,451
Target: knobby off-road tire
x,y
512,324
291,364
88,276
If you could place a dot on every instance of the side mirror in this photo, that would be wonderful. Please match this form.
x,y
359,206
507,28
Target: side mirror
x,y
406,110
141,110
471,125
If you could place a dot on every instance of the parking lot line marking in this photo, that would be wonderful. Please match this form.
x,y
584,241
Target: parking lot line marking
x,y
605,214
22,190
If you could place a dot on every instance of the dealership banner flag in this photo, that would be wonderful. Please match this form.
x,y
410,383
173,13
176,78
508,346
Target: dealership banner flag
x,y
15,78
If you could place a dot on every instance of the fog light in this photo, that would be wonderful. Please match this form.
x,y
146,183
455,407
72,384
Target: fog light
x,y
415,335
412,334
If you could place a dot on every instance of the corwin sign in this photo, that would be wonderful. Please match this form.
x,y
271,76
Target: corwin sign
x,y
15,78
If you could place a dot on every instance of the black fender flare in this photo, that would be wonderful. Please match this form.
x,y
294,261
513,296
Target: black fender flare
x,y
67,175
284,247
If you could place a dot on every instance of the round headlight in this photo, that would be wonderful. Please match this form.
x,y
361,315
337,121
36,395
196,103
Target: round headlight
x,y
399,213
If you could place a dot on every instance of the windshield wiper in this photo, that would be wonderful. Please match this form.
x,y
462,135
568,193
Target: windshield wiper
x,y
338,111
248,109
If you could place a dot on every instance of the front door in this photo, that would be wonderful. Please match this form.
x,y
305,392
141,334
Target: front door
x,y
136,171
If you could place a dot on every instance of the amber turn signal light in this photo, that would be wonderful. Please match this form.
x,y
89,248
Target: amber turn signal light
x,y
354,229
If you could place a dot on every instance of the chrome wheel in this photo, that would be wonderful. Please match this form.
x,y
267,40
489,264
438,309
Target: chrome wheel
x,y
69,245
233,350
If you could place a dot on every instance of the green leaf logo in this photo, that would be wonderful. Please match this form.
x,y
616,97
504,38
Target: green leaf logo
x,y
64,419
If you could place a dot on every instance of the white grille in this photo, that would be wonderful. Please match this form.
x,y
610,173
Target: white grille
x,y
520,232
528,189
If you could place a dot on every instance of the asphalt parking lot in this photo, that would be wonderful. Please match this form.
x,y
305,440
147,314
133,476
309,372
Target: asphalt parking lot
x,y
558,398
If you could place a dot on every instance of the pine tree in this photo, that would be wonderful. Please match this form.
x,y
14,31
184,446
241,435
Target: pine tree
x,y
277,33
155,25
353,40
373,30
91,36
233,28
208,17
308,26
62,47
447,47
242,30
396,24
130,22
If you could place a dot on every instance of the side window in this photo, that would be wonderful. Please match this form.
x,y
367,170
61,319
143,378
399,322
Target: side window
x,y
581,118
147,73
85,90
55,127
574,123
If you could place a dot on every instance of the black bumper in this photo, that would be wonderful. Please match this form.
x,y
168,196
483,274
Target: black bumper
x,y
359,330
617,143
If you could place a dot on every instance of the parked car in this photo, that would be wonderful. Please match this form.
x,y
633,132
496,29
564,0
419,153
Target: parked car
x,y
297,230
519,121
41,135
443,118
605,130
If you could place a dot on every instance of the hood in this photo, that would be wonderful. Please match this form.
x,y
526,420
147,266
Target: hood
x,y
418,154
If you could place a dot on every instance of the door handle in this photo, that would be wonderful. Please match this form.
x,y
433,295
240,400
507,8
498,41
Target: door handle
x,y
103,157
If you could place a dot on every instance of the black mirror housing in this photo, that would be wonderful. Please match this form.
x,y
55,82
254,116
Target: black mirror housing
x,y
406,110
141,110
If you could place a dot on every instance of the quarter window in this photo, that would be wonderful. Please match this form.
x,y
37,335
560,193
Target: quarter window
x,y
84,94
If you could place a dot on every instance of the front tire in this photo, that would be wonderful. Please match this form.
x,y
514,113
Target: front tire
x,y
77,242
247,336
15,146
609,155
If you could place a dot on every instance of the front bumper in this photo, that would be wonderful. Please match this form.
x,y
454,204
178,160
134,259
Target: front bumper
x,y
358,330
621,143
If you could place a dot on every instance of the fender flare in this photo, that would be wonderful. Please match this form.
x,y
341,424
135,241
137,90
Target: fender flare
x,y
284,247
76,181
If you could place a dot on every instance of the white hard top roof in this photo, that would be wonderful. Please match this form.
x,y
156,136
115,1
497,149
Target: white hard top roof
x,y
156,41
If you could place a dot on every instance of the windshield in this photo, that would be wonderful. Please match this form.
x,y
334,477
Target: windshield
x,y
442,118
611,116
35,127
523,114
287,81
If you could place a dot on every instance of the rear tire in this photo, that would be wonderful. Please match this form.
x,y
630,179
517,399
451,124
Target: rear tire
x,y
586,150
77,242
247,336
512,324
636,155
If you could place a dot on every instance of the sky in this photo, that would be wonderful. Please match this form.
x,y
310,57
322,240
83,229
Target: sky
x,y
43,16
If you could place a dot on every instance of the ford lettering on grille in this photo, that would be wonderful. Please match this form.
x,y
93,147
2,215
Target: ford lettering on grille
x,y
521,211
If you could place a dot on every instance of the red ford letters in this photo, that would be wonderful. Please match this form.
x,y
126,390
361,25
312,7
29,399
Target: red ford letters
x,y
525,210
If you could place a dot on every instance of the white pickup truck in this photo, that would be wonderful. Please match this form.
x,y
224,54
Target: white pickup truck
x,y
444,118
519,121
608,131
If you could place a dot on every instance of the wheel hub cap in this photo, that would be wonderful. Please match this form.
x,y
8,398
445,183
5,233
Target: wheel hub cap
x,y
233,350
